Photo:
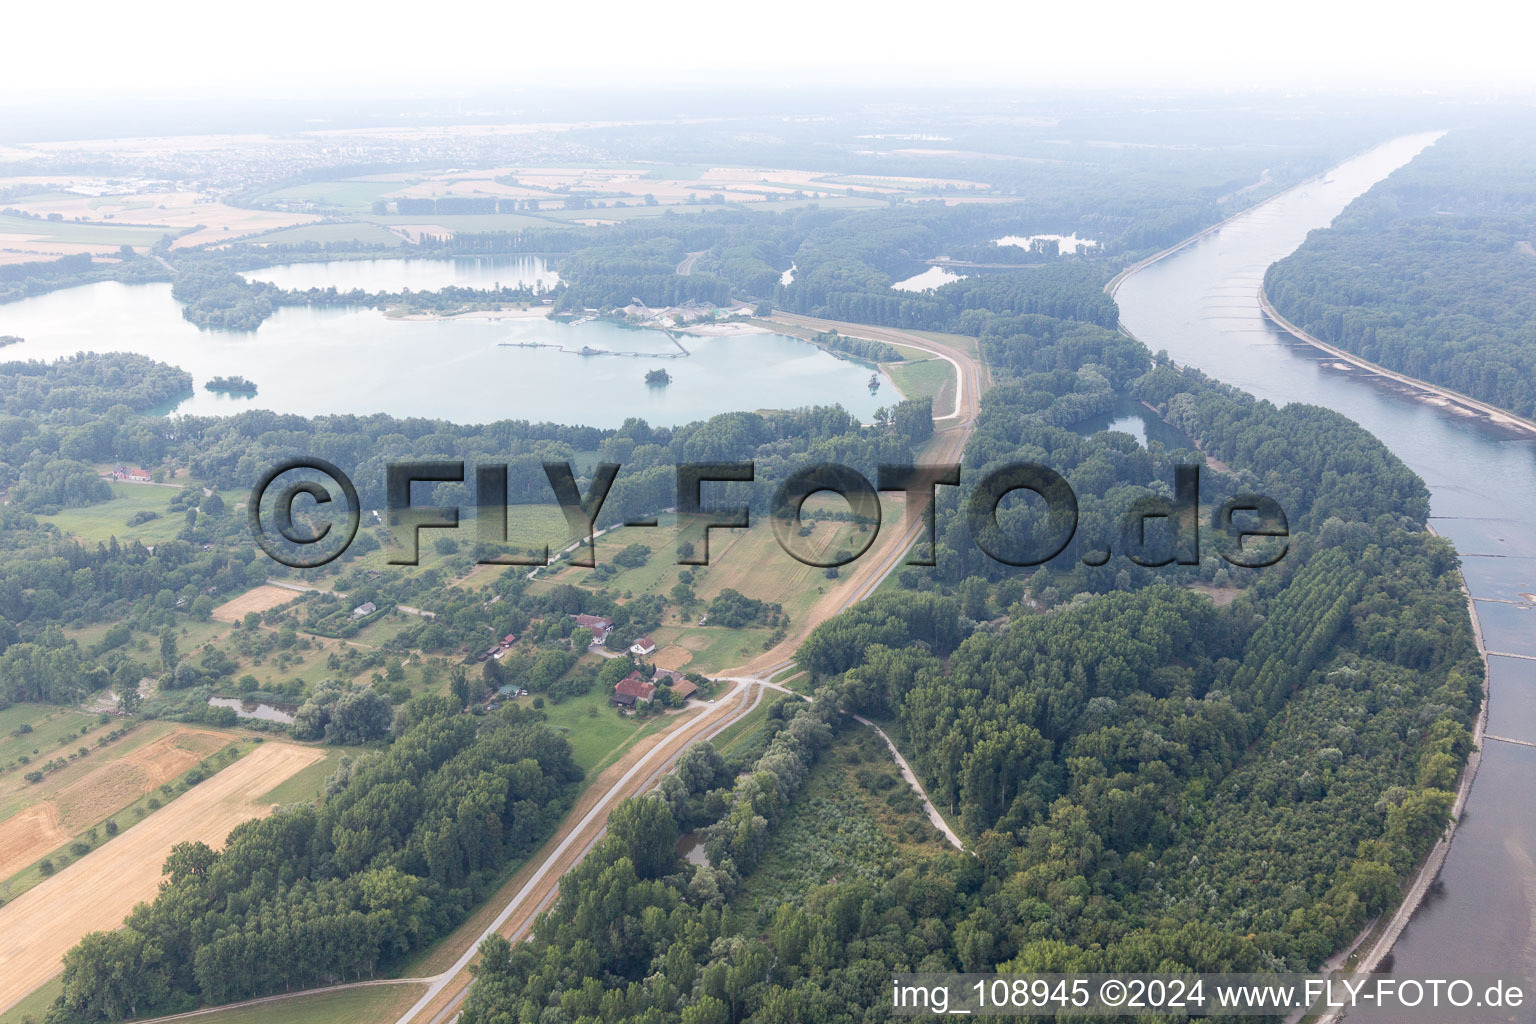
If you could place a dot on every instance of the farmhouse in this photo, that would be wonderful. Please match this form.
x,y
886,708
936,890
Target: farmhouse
x,y
680,685
500,650
133,476
632,690
364,610
645,645
599,626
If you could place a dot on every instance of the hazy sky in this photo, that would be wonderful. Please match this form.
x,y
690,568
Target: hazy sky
x,y
290,44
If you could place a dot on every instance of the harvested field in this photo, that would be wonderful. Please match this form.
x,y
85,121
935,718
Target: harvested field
x,y
673,657
263,598
97,891
36,831
126,779
28,835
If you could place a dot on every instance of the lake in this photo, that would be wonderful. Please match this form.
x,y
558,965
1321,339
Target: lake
x,y
473,369
933,277
265,712
1131,417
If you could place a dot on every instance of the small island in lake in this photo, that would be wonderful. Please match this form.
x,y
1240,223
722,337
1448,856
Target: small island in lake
x,y
231,385
658,377
10,339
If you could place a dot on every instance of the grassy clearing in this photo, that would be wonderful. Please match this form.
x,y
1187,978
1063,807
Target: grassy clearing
x,y
34,1007
528,527
855,818
747,733
307,783
593,737
929,378
51,727
99,523
349,1006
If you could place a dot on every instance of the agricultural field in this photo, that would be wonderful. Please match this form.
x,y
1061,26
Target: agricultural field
x,y
100,236
327,231
98,890
41,817
261,599
344,194
145,218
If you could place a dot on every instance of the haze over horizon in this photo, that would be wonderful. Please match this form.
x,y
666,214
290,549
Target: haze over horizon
x,y
293,49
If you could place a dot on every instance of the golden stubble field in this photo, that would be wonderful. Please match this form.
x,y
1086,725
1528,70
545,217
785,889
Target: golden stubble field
x,y
97,891
37,830
260,599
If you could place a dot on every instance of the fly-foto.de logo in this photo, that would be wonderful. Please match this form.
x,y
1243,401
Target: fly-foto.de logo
x,y
306,512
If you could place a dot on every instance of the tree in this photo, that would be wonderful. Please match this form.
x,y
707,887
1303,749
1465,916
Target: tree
x,y
188,860
648,833
129,699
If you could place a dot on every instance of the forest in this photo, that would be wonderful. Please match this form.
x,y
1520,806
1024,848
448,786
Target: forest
x,y
1432,272
1145,779
406,841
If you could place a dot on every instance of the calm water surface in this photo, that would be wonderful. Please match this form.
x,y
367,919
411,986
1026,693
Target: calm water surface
x,y
1200,304
933,277
1129,416
469,370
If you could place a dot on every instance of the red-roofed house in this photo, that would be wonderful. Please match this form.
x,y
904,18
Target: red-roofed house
x,y
632,690
645,645
597,624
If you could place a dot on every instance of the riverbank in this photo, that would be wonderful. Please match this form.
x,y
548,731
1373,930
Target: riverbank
x,y
1423,391
729,330
507,313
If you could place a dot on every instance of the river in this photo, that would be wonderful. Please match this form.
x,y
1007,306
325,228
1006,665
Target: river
x,y
312,361
1201,305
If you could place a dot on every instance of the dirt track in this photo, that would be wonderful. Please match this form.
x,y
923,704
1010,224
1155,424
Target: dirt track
x,y
97,891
